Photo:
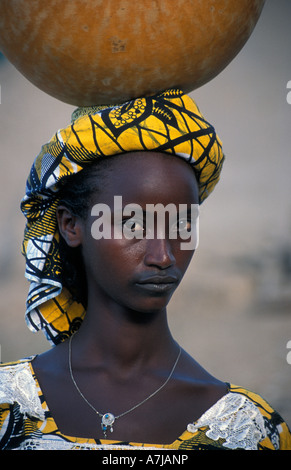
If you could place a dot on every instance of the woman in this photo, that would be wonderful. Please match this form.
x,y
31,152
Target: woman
x,y
100,285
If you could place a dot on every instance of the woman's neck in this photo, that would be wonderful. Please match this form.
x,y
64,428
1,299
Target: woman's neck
x,y
123,338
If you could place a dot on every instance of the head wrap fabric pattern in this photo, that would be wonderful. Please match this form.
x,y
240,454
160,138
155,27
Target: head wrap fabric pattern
x,y
169,122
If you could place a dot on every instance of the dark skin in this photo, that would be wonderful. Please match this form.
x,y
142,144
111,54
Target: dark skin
x,y
124,349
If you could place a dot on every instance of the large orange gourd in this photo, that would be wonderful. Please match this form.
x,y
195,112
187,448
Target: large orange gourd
x,y
107,51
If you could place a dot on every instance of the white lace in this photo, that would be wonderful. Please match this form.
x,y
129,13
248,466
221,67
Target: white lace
x,y
17,385
55,444
234,418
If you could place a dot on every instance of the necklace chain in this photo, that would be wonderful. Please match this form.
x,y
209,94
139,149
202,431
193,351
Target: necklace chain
x,y
108,418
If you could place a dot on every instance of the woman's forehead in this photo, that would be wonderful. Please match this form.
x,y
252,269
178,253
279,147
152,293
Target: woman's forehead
x,y
151,175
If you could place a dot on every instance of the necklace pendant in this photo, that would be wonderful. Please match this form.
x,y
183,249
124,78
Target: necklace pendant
x,y
107,422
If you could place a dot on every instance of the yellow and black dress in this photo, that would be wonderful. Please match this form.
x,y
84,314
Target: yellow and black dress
x,y
240,420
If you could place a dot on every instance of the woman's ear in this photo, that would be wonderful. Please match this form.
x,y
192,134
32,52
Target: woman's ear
x,y
69,227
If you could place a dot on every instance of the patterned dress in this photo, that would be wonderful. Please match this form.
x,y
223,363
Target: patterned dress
x,y
240,420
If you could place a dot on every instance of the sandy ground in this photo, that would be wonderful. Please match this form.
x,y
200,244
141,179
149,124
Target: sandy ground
x,y
233,310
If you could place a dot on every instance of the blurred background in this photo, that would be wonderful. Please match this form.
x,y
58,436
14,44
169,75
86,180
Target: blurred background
x,y
233,310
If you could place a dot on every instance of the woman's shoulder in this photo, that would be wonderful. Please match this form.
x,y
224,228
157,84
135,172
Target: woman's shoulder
x,y
276,430
245,420
15,369
11,372
18,386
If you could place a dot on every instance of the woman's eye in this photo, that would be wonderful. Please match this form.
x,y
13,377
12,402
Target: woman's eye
x,y
133,226
182,225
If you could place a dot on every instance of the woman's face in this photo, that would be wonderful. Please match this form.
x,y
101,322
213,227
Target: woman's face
x,y
140,264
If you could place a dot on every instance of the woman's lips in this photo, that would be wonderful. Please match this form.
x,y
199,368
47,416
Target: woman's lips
x,y
158,283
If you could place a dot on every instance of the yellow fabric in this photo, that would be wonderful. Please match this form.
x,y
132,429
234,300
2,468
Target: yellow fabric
x,y
169,122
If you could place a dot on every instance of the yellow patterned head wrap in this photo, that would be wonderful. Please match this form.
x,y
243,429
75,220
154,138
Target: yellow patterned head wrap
x,y
168,122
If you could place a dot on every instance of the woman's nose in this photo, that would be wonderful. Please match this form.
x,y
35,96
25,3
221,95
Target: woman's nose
x,y
159,253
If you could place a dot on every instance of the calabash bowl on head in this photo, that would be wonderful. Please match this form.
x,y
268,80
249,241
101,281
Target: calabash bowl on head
x,y
108,51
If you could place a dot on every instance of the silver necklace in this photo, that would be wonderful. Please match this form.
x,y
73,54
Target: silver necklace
x,y
108,419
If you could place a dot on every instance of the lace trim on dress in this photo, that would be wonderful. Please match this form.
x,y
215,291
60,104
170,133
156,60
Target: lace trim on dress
x,y
17,385
234,418
55,444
